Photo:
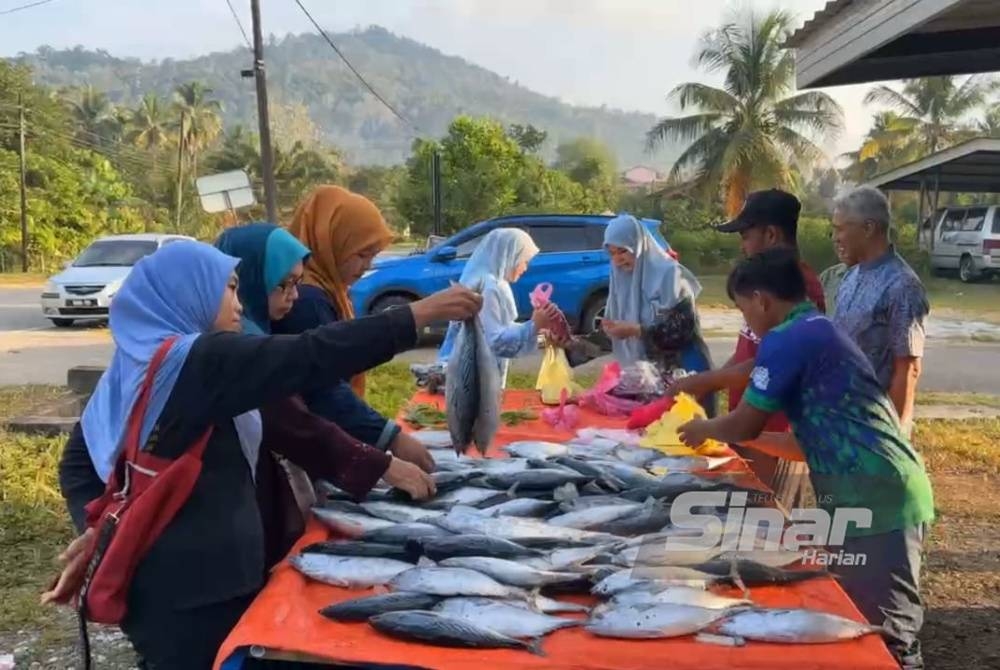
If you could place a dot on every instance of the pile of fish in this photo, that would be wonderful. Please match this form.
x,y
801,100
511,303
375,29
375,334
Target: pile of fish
x,y
483,563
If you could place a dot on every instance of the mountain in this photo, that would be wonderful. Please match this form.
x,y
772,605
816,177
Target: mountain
x,y
426,86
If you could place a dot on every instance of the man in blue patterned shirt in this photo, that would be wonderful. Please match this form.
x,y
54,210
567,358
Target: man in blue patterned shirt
x,y
881,303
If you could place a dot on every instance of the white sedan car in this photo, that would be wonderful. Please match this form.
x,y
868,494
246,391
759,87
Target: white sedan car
x,y
83,291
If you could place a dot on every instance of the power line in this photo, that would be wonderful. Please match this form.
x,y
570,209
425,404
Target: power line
x,y
240,24
27,6
353,69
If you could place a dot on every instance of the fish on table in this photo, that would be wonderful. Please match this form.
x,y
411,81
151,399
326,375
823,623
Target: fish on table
x,y
438,629
792,626
473,389
660,620
348,571
361,609
503,617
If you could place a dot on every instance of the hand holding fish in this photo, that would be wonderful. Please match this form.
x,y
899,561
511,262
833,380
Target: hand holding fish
x,y
74,560
456,303
408,477
412,450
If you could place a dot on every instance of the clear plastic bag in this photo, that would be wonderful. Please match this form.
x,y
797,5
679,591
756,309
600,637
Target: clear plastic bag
x,y
639,381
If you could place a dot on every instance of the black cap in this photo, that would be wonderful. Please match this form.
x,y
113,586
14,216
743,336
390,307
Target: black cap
x,y
772,207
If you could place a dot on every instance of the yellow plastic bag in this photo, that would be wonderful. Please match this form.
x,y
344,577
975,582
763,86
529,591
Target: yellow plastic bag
x,y
662,433
554,375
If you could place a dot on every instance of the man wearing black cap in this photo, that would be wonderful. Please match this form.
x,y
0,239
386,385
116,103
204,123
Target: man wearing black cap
x,y
769,219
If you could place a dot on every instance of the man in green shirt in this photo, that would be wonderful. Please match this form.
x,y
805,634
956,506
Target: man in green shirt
x,y
846,429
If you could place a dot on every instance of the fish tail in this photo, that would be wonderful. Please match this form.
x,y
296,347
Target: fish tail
x,y
512,491
535,646
533,599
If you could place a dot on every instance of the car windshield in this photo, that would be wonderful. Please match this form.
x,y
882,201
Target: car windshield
x,y
114,253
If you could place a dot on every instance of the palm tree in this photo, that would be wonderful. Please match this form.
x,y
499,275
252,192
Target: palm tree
x,y
95,117
149,127
989,125
888,144
747,133
199,123
934,106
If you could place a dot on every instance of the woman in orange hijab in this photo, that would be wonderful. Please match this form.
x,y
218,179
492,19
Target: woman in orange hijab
x,y
344,232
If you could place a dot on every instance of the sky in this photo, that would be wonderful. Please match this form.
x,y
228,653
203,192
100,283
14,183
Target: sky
x,y
625,54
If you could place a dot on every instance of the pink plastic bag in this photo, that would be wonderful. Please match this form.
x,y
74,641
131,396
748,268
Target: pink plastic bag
x,y
540,297
564,417
600,399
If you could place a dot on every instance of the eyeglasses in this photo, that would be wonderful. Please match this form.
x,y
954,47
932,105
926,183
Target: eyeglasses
x,y
290,284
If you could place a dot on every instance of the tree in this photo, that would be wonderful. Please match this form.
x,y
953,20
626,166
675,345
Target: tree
x,y
887,144
148,124
747,133
529,138
591,164
97,122
481,168
198,121
380,185
989,124
933,107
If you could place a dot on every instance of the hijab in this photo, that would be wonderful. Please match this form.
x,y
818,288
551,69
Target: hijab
x,y
500,252
267,254
175,291
655,283
335,224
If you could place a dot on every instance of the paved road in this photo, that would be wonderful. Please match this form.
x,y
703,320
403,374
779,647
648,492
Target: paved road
x,y
32,351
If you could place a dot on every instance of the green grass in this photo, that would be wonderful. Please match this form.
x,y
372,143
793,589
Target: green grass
x,y
958,399
949,443
948,297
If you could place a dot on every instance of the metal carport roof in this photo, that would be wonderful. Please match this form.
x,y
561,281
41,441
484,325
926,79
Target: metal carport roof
x,y
860,41
970,167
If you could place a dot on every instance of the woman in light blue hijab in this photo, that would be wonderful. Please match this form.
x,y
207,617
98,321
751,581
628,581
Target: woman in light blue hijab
x,y
500,260
651,313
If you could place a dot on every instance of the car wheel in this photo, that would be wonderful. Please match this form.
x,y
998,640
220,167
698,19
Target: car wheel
x,y
967,270
593,314
390,301
62,323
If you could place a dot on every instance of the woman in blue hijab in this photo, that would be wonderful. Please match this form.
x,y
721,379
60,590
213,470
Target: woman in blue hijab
x,y
200,574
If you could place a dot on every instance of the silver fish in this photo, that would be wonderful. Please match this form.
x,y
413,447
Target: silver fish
x,y
463,520
472,389
503,617
652,621
592,517
775,558
398,513
521,507
795,626
656,579
348,571
438,629
536,449
360,609
452,582
536,478
357,548
440,548
637,456
349,524
401,533
465,495
678,595
565,559
510,571
433,439
658,553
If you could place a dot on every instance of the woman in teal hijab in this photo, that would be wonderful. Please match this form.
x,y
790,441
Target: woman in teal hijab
x,y
270,270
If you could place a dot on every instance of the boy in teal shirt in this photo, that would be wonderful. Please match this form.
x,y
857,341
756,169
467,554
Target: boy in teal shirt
x,y
847,431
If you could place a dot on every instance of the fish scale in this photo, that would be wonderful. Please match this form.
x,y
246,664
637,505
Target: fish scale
x,y
462,387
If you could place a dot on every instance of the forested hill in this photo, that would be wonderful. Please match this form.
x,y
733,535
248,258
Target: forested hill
x,y
425,85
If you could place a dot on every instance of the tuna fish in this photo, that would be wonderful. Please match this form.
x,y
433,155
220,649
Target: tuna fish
x,y
440,548
361,609
348,571
359,549
652,621
510,572
438,629
794,626
503,617
452,582
472,389
349,524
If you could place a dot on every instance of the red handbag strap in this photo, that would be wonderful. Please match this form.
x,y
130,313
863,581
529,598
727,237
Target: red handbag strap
x,y
134,428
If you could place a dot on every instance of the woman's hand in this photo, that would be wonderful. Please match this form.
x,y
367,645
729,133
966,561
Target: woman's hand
x,y
456,303
545,317
74,561
408,477
410,449
621,330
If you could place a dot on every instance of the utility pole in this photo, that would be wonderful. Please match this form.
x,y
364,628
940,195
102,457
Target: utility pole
x,y
24,193
180,176
266,157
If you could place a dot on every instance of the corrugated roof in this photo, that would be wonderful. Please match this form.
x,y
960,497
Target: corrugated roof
x,y
832,8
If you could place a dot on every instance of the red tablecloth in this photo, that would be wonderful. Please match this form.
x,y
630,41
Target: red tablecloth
x,y
284,618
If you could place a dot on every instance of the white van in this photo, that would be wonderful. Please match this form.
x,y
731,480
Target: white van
x,y
85,288
964,239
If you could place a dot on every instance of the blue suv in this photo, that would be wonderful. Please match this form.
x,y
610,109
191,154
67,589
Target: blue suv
x,y
571,258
